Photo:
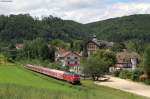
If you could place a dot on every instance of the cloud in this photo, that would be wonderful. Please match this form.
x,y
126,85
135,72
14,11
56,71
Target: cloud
x,y
121,9
79,10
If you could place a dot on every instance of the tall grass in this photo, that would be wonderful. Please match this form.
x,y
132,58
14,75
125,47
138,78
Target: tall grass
x,y
11,91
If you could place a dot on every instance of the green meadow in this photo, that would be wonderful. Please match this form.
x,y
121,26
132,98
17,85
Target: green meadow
x,y
19,83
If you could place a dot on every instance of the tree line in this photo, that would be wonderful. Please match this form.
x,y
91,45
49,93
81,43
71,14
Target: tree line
x,y
17,28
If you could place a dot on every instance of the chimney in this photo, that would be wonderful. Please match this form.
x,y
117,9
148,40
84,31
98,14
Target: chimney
x,y
94,38
134,63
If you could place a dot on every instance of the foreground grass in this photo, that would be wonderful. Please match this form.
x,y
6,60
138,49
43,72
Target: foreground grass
x,y
18,83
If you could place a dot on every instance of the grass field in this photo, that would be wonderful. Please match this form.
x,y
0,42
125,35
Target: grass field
x,y
19,83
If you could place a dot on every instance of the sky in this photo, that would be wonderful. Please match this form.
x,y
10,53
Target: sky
x,y
83,11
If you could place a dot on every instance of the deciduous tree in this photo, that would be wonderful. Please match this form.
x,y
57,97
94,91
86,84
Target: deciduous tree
x,y
98,64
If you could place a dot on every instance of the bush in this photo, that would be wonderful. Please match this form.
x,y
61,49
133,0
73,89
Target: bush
x,y
116,73
125,74
146,62
147,81
136,74
10,60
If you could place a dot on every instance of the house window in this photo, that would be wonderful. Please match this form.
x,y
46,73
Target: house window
x,y
68,57
76,57
92,46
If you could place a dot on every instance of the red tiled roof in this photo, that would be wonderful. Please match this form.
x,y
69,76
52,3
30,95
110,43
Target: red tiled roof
x,y
63,53
19,46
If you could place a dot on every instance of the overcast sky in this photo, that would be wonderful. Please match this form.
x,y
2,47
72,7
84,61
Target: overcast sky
x,y
83,11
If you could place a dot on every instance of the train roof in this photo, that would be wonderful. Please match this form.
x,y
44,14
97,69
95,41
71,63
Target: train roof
x,y
58,71
47,69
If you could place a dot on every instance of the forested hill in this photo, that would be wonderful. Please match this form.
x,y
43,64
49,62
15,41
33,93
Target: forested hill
x,y
17,28
134,27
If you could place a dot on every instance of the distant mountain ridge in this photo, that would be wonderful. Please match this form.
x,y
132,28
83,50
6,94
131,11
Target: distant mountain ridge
x,y
134,27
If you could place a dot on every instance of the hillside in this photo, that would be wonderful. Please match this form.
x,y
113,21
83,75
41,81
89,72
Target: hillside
x,y
134,27
17,28
18,83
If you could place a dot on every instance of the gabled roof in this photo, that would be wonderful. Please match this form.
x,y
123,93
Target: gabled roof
x,y
101,43
63,53
72,53
125,56
61,50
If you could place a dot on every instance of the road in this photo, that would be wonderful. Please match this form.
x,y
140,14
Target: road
x,y
128,86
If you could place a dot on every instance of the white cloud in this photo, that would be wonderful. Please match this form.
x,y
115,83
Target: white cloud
x,y
121,9
79,10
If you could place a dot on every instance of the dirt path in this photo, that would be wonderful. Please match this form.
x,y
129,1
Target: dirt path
x,y
129,86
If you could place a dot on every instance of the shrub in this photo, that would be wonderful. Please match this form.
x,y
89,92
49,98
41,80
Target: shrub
x,y
136,74
146,62
10,60
116,73
125,74
147,81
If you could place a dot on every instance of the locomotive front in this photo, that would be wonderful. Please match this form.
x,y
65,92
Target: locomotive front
x,y
72,77
76,78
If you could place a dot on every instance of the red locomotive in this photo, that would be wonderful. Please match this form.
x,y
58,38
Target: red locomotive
x,y
66,76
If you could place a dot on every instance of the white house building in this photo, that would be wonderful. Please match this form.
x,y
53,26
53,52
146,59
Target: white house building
x,y
68,58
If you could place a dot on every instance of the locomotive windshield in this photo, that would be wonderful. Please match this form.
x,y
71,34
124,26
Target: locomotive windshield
x,y
71,73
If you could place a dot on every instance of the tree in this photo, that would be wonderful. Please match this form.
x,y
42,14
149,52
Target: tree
x,y
78,45
118,47
71,46
60,43
36,49
9,51
12,52
98,64
146,61
135,45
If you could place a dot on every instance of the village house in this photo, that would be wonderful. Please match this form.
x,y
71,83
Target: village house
x,y
19,46
127,59
94,44
68,58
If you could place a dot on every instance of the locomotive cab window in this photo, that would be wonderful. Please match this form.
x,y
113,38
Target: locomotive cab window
x,y
77,75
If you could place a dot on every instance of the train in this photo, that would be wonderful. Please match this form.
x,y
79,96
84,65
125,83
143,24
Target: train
x,y
70,77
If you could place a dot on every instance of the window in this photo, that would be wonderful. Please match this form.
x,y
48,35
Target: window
x,y
68,57
92,46
76,57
